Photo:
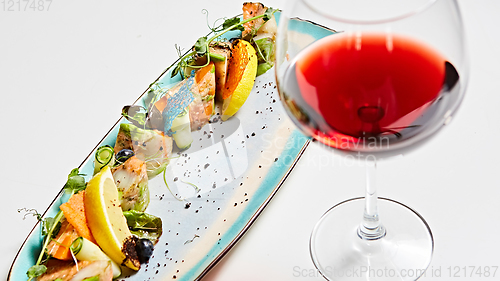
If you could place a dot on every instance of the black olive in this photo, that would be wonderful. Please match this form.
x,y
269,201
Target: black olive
x,y
144,248
123,155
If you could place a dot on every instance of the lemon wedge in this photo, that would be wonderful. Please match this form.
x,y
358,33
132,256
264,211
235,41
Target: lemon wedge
x,y
242,71
107,222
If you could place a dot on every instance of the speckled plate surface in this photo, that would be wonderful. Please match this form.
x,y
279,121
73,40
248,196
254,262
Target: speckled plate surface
x,y
238,165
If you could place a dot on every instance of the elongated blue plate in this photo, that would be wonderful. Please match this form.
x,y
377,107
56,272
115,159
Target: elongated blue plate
x,y
238,165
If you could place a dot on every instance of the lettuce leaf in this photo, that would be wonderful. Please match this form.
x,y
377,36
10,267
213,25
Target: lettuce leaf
x,y
265,54
144,225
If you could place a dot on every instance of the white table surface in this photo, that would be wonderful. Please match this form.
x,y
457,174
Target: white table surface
x,y
56,66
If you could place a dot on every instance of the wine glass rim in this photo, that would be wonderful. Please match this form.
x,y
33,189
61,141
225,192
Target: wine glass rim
x,y
375,21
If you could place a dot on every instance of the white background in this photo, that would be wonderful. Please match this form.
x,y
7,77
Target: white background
x,y
66,73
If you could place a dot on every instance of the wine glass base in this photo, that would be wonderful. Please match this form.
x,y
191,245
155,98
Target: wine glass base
x,y
404,253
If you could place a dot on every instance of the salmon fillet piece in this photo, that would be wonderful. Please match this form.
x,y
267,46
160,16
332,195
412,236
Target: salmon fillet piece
x,y
59,246
66,270
74,212
250,10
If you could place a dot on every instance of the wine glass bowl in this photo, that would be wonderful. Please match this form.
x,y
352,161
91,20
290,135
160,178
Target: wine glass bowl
x,y
376,78
407,77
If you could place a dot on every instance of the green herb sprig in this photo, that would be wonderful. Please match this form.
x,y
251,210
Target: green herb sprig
x,y
75,183
51,226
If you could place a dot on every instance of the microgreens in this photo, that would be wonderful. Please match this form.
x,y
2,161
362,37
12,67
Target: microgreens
x,y
201,47
51,226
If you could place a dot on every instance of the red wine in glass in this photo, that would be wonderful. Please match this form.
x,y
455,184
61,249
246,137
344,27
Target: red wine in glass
x,y
369,89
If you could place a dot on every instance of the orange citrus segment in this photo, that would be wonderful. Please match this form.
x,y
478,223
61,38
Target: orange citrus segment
x,y
241,77
237,65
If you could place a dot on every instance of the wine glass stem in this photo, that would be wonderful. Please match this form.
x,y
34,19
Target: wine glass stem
x,y
371,227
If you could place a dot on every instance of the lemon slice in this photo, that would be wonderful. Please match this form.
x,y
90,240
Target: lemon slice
x,y
106,221
241,77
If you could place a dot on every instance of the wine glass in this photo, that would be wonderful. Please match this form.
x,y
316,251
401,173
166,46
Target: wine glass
x,y
372,78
